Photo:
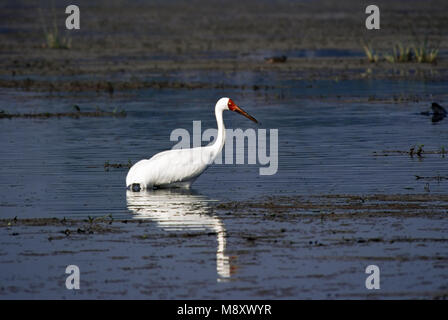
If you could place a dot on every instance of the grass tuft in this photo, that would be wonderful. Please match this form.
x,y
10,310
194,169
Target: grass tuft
x,y
370,53
53,40
401,53
424,54
420,52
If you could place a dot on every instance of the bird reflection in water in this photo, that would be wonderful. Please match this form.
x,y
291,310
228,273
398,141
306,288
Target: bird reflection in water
x,y
182,210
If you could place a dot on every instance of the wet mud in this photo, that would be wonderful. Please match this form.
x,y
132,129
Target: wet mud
x,y
328,240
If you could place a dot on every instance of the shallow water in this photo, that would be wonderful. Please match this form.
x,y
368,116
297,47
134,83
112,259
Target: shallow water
x,y
331,140
182,248
55,167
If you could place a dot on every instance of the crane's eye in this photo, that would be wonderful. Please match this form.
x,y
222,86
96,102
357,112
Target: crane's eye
x,y
231,105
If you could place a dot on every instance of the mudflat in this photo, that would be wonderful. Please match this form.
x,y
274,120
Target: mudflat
x,y
116,43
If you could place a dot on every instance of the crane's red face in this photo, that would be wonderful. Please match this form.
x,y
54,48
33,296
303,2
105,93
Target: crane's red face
x,y
233,107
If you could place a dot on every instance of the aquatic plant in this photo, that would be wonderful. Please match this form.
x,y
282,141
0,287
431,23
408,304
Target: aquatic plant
x,y
420,52
370,53
423,53
53,39
401,53
420,150
413,150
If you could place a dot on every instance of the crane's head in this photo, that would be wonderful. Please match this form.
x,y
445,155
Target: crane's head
x,y
228,104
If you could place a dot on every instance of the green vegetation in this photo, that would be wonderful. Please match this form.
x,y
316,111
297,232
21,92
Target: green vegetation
x,y
370,53
53,39
420,52
423,53
401,53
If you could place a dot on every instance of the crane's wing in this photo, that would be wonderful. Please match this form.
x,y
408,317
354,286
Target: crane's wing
x,y
169,167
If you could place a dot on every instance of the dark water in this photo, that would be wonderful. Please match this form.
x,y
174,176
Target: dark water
x,y
55,167
328,133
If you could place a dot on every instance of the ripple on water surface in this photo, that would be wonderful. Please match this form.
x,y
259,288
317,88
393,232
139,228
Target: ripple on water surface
x,y
55,166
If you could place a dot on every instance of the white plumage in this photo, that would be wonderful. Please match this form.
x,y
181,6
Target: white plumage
x,y
180,167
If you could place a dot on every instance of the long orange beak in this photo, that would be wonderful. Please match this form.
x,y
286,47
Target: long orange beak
x,y
244,113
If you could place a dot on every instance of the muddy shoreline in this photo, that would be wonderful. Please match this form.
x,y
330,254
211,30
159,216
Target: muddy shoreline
x,y
319,226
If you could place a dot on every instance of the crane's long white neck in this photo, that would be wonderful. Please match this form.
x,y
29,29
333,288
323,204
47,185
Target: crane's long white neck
x,y
221,138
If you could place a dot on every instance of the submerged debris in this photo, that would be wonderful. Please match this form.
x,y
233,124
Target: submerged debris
x,y
276,59
107,86
108,165
435,178
438,109
77,114
418,151
438,112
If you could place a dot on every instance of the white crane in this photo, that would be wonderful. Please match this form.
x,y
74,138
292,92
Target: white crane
x,y
180,167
